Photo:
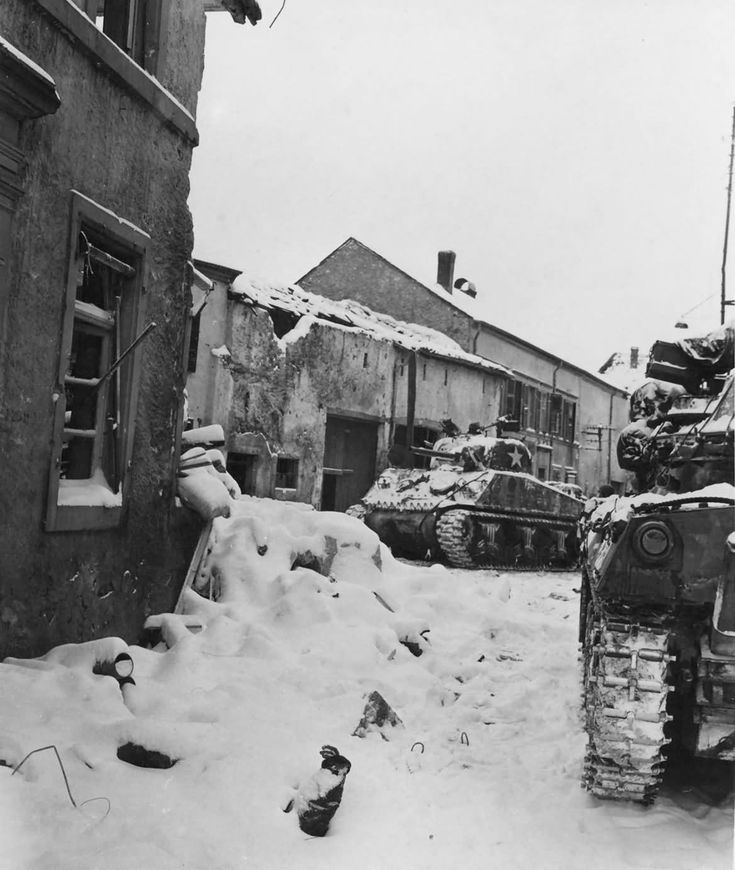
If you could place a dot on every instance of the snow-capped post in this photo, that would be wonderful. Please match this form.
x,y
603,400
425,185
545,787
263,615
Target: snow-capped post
x,y
318,799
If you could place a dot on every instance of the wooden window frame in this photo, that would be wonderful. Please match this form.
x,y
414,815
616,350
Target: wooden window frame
x,y
133,25
119,235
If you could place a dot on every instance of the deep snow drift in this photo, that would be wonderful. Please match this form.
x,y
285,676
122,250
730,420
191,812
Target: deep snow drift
x,y
483,772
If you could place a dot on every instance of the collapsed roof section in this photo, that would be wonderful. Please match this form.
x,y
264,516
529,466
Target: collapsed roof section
x,y
288,303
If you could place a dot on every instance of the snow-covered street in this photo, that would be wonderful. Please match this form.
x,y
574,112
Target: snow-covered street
x,y
483,772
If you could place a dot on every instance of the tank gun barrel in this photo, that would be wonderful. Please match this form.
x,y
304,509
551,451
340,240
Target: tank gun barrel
x,y
441,454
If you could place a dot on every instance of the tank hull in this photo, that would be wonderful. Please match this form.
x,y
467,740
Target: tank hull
x,y
513,521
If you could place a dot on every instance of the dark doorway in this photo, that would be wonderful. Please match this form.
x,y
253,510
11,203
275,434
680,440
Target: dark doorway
x,y
349,461
242,467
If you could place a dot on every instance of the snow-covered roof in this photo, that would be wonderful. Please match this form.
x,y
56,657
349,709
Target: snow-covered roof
x,y
355,316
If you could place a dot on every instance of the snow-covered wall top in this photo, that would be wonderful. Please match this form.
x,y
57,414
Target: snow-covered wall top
x,y
296,301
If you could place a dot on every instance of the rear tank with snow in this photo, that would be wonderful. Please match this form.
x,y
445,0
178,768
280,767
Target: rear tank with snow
x,y
476,505
657,610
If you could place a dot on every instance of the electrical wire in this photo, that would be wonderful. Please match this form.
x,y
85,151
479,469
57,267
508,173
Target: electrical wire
x,y
63,773
277,14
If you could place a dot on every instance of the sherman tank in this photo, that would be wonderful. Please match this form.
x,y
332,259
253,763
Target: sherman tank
x,y
657,610
476,505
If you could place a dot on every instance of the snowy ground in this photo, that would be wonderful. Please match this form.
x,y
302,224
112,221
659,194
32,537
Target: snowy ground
x,y
280,668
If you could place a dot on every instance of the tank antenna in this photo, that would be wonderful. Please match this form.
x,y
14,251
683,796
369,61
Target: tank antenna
x,y
723,301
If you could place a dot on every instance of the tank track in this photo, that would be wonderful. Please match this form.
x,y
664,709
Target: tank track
x,y
453,536
625,690
453,539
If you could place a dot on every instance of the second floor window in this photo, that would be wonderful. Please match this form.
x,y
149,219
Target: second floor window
x,y
133,25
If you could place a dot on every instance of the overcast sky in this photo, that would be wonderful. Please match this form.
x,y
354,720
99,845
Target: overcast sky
x,y
574,153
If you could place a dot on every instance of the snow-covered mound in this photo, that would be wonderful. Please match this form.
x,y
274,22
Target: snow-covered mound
x,y
300,622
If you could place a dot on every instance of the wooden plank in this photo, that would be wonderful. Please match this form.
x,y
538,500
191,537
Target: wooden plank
x,y
195,564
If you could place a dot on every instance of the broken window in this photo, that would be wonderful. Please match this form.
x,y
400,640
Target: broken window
x,y
287,473
97,378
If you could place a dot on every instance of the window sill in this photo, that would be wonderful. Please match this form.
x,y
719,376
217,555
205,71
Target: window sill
x,y
73,20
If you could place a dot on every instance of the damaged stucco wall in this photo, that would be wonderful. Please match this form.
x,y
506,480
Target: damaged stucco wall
x,y
281,390
108,143
447,390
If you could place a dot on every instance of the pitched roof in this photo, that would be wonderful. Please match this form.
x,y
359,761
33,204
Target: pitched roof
x,y
453,301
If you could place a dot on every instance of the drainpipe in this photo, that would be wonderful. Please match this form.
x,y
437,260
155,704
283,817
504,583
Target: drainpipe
x,y
609,439
411,399
475,337
551,428
392,419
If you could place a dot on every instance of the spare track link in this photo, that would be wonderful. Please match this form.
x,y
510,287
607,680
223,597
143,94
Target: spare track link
x,y
625,691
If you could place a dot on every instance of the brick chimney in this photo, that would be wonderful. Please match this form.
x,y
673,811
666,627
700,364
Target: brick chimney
x,y
634,357
445,270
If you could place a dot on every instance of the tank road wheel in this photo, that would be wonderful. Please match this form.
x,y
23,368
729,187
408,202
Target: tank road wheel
x,y
454,533
625,695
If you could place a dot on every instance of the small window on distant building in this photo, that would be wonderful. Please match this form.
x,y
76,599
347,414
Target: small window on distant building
x,y
243,467
287,473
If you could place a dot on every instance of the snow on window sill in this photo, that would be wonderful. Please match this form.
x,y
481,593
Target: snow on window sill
x,y
91,492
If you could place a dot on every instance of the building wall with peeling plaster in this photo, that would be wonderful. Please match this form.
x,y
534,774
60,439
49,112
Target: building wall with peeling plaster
x,y
121,148
282,390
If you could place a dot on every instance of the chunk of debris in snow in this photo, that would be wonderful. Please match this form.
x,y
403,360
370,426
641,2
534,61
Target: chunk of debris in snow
x,y
376,716
318,799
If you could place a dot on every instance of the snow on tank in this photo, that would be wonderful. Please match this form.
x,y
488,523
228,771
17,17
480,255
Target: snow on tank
x,y
657,602
477,504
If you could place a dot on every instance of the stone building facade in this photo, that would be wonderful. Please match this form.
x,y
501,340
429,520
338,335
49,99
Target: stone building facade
x,y
97,106
569,417
312,394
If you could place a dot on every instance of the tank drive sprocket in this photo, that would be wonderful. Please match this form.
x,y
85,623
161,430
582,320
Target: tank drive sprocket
x,y
625,687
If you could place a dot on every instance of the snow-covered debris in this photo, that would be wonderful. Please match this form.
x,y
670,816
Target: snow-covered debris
x,y
318,799
211,436
201,487
279,666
